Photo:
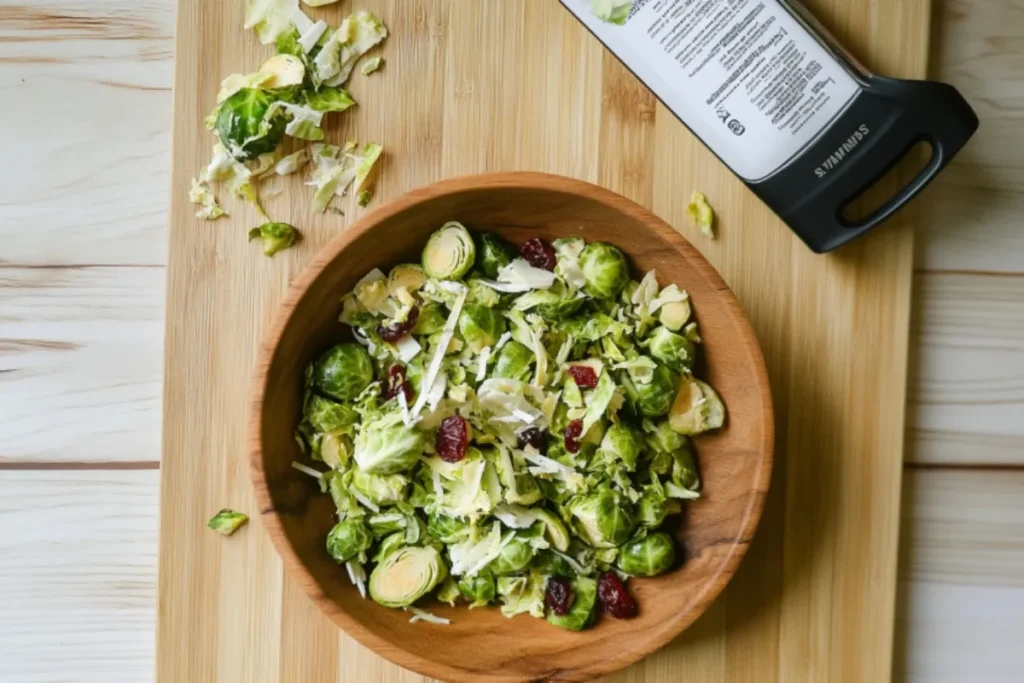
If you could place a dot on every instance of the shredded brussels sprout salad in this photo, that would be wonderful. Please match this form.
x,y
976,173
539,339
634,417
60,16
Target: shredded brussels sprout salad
x,y
509,425
262,120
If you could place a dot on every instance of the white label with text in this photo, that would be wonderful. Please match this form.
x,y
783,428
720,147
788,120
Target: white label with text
x,y
744,75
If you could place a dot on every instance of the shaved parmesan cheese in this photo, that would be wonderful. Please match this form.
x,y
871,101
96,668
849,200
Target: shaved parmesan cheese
x,y
564,350
673,490
307,470
357,575
468,558
521,273
436,479
502,340
439,352
506,288
645,293
408,348
515,516
437,392
421,615
481,370
525,417
404,405
312,35
364,501
541,376
545,465
372,276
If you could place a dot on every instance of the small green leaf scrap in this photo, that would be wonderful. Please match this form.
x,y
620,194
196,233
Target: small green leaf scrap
x,y
227,522
371,65
702,214
274,236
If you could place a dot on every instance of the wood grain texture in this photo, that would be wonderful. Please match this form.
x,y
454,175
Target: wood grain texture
x,y
966,401
834,330
970,217
111,61
78,576
80,364
481,645
961,607
961,582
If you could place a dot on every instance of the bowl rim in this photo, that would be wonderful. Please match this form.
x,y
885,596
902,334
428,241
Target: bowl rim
x,y
514,180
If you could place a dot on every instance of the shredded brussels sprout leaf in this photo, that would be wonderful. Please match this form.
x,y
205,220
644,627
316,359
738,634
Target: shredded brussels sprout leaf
x,y
227,522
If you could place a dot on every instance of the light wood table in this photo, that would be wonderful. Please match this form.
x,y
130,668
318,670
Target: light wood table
x,y
83,192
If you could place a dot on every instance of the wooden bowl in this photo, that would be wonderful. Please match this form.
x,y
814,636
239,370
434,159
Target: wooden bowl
x,y
481,644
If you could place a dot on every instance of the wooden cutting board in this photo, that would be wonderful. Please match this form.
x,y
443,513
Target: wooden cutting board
x,y
487,85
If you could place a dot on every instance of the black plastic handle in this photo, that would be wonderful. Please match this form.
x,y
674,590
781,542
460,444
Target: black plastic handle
x,y
883,123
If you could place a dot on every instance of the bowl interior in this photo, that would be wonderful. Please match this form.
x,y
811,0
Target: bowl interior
x,y
735,462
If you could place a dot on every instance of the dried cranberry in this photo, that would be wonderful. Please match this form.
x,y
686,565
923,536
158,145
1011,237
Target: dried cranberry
x,y
584,376
614,598
558,597
452,439
398,383
532,436
539,254
396,331
572,436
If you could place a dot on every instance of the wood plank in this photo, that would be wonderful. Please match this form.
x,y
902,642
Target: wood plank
x,y
961,606
843,443
962,603
80,370
78,578
970,217
96,192
966,394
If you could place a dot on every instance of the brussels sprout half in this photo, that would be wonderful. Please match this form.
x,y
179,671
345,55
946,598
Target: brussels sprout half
x,y
347,539
653,399
247,126
387,446
406,575
652,508
696,409
555,530
480,326
329,416
446,529
552,564
343,372
449,253
604,518
649,556
605,268
380,489
581,614
624,443
493,253
431,321
672,350
283,71
515,361
515,556
405,276
479,589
